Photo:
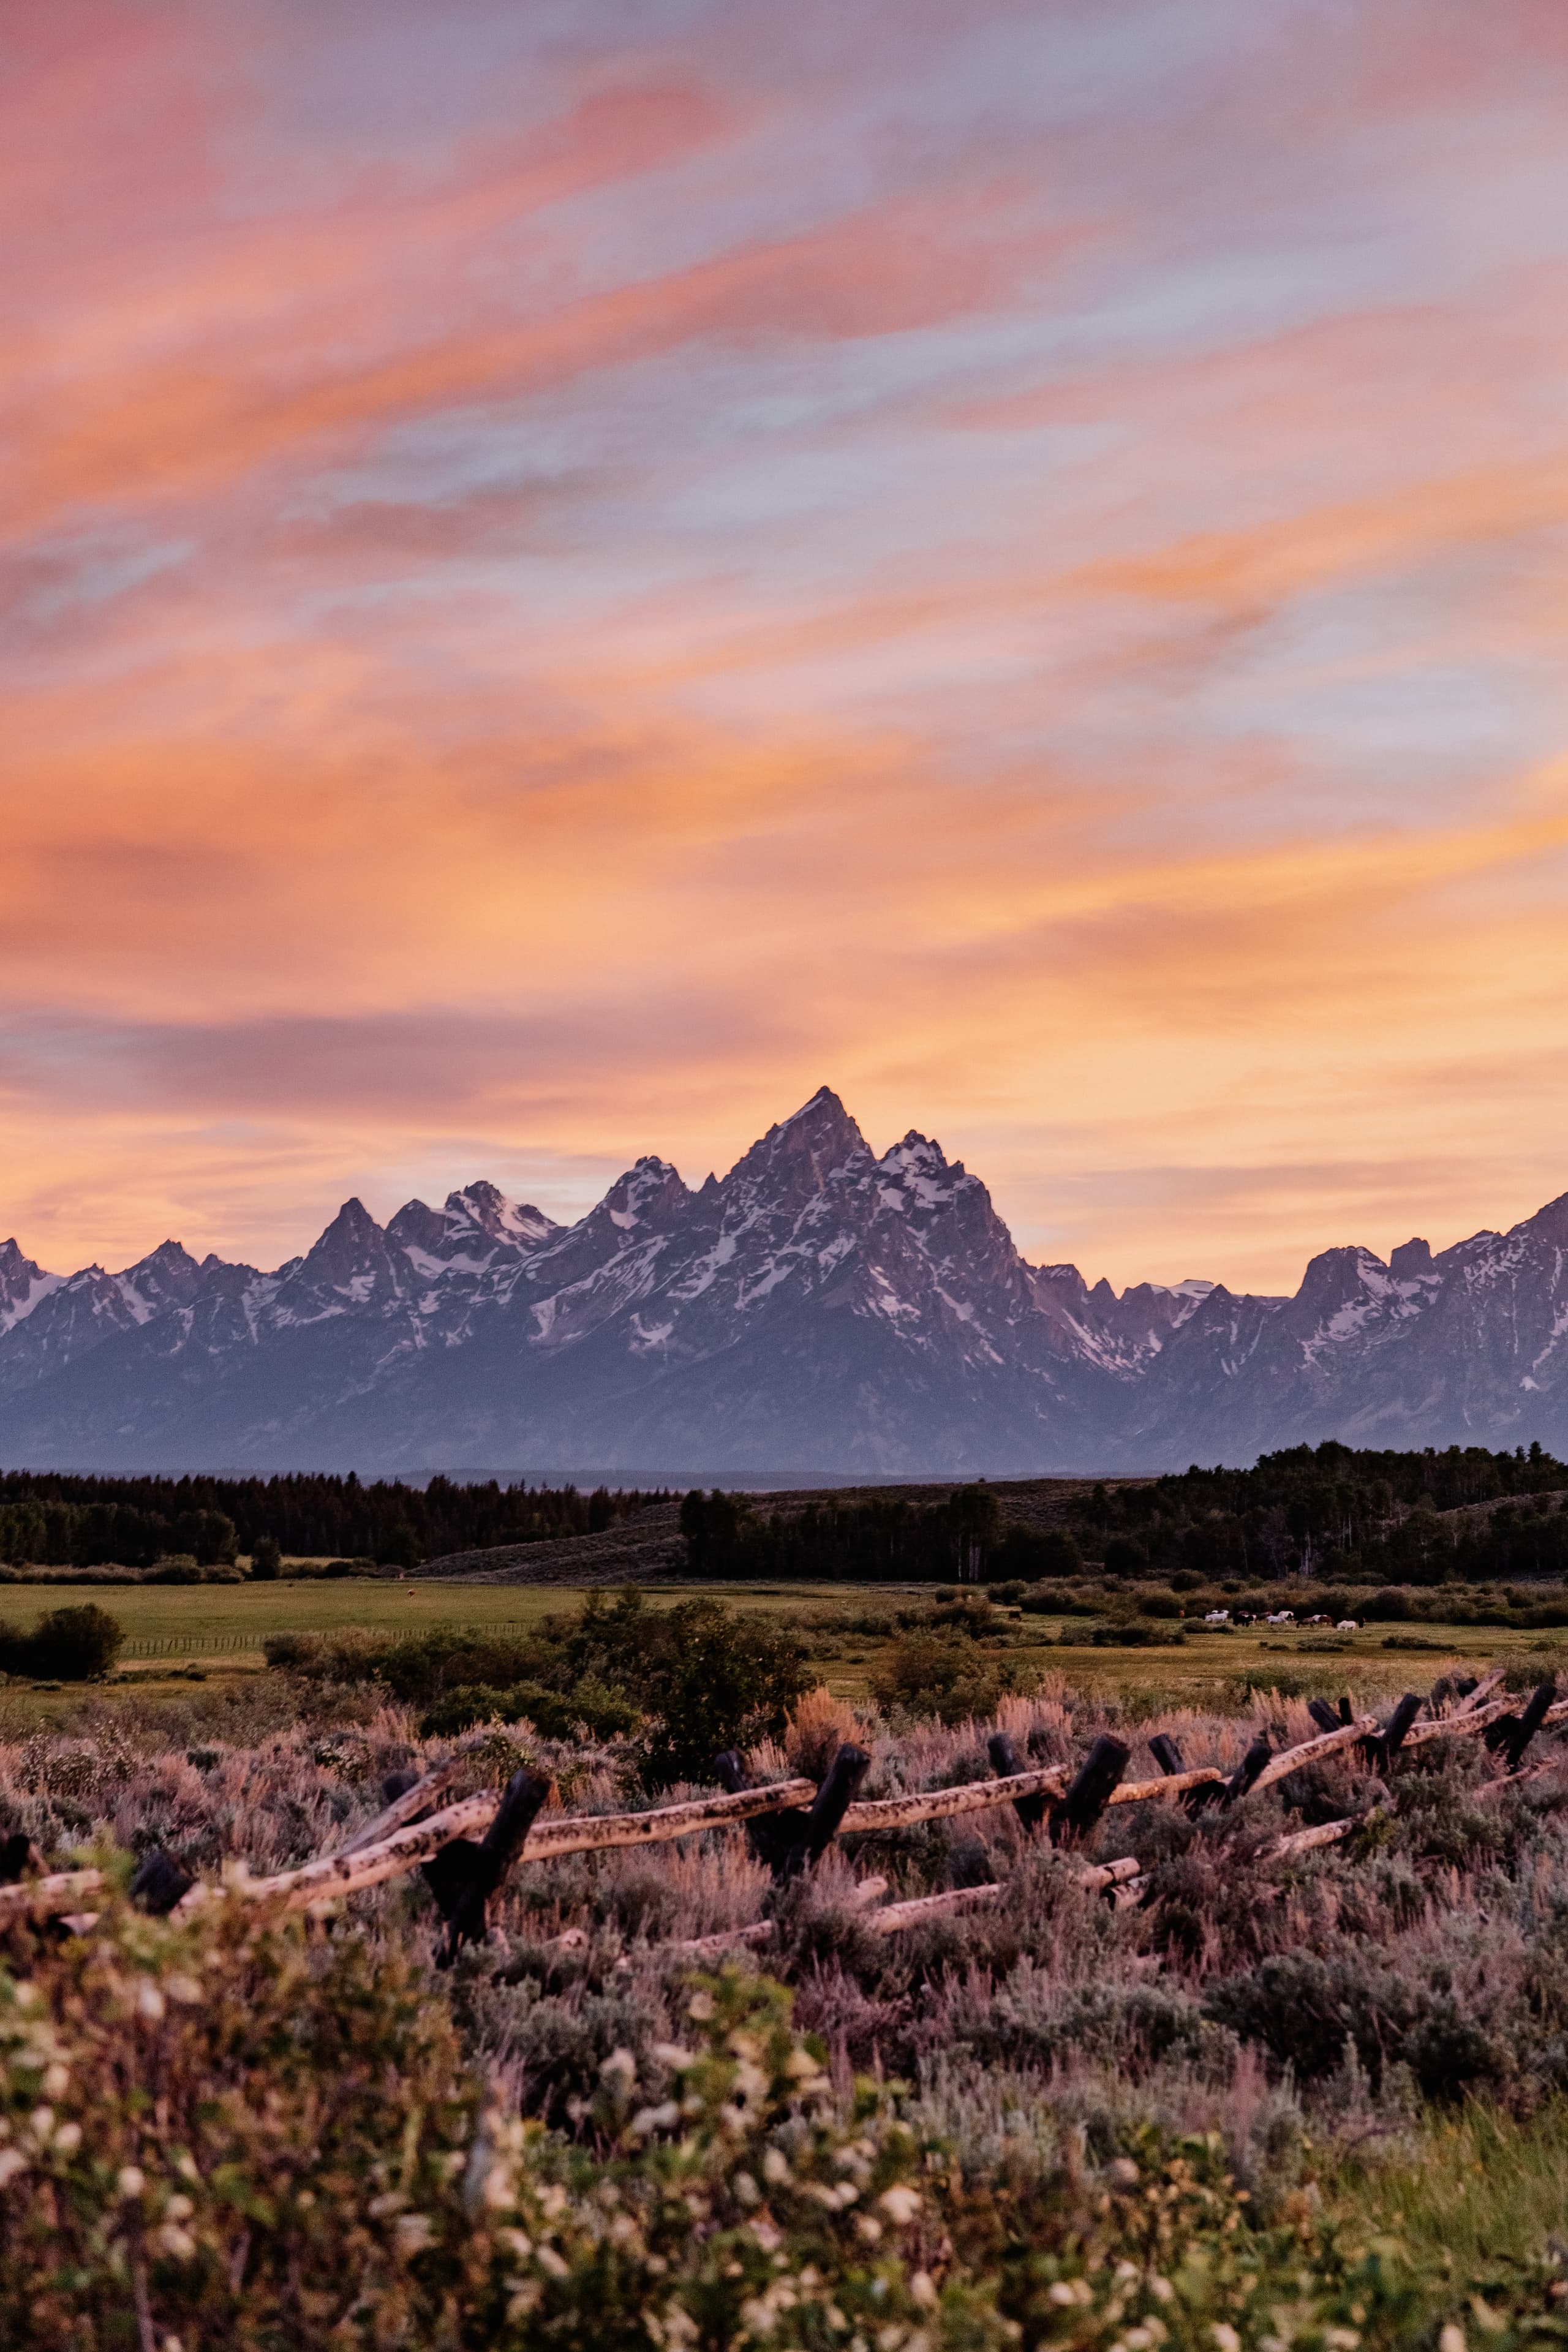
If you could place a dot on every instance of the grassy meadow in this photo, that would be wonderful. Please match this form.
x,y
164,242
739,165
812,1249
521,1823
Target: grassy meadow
x,y
198,1649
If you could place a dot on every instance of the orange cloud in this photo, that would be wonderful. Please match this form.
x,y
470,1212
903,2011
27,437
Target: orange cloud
x,y
1018,578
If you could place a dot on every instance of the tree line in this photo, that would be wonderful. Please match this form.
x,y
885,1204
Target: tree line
x,y
56,1519
1329,1511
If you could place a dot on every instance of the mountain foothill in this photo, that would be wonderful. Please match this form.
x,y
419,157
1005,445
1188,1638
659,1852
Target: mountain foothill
x,y
819,1307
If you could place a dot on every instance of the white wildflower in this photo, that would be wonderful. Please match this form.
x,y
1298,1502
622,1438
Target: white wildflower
x,y
619,2072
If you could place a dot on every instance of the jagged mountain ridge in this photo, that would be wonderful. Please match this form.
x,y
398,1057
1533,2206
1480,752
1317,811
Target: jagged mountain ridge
x,y
820,1306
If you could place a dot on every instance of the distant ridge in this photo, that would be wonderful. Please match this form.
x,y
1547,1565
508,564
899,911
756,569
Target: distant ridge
x,y
819,1305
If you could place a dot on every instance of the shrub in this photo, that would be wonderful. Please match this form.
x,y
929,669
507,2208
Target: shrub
x,y
590,1706
265,1560
1391,1606
1155,1604
711,1679
68,1645
1135,1634
220,2135
175,1567
937,1671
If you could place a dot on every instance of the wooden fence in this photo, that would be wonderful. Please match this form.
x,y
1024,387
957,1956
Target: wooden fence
x,y
467,1849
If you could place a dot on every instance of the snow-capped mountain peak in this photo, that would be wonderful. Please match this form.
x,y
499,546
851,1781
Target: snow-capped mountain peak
x,y
23,1285
817,1306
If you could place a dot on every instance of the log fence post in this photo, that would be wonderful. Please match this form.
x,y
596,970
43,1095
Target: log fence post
x,y
793,1840
1167,1755
1006,1763
1251,1768
1510,1735
1075,1816
160,1884
465,1874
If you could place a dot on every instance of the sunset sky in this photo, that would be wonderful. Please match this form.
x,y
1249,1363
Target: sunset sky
x,y
573,571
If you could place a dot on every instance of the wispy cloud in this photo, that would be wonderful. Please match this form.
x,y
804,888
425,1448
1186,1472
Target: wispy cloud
x,y
560,585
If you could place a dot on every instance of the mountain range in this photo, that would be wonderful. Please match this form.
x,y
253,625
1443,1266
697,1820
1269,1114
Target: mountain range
x,y
819,1305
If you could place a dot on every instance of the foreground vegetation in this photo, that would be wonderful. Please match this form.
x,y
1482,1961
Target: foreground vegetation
x,y
1319,2103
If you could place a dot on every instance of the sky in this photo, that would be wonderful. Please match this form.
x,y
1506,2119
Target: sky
x,y
571,573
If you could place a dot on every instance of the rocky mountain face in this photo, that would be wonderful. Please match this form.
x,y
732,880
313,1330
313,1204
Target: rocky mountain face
x,y
819,1308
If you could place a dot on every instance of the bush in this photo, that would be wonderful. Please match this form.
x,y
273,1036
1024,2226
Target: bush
x,y
711,1679
1391,1606
66,1645
265,1560
1135,1634
220,2135
590,1706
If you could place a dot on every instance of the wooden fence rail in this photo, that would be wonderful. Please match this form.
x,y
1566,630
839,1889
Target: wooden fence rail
x,y
395,1841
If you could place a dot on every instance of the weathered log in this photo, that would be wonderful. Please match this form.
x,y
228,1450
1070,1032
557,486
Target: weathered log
x,y
1479,1692
592,1832
1306,1841
1306,1751
697,1948
1111,1873
47,1898
1462,1726
1170,1784
333,1875
864,1892
408,1793
1166,1753
943,1804
924,1907
1325,1717
1090,1792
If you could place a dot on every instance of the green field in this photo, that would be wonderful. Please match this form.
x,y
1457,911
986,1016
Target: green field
x,y
219,1630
